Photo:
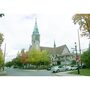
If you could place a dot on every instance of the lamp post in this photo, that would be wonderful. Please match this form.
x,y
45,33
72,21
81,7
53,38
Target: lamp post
x,y
77,58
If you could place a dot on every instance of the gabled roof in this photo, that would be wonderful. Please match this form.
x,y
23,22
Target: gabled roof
x,y
57,50
60,49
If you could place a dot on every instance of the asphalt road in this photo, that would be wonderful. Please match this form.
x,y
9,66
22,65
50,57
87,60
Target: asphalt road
x,y
22,72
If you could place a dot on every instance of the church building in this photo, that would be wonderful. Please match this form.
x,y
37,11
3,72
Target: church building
x,y
59,55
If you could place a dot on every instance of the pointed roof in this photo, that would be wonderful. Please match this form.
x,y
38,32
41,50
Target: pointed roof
x,y
35,27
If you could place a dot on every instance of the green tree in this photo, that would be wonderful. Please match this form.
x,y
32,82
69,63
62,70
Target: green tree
x,y
16,62
73,62
8,64
34,56
1,39
85,58
38,58
45,57
1,59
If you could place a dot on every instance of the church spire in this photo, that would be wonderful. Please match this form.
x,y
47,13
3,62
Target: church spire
x,y
35,36
36,21
35,27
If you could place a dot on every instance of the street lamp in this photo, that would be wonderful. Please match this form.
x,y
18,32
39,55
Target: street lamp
x,y
77,58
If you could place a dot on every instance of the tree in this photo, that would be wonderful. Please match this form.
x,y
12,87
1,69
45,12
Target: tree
x,y
1,39
2,14
23,56
85,58
83,21
8,64
1,59
73,62
34,56
45,58
38,58
16,62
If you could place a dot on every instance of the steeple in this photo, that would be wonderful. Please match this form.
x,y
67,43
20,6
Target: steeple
x,y
35,27
35,36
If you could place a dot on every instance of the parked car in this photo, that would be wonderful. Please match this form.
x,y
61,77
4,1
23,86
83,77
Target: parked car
x,y
74,68
55,69
68,68
62,68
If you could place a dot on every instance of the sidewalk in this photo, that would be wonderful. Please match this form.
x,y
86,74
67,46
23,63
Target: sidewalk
x,y
65,74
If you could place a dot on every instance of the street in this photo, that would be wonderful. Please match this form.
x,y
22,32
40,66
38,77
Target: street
x,y
23,72
27,72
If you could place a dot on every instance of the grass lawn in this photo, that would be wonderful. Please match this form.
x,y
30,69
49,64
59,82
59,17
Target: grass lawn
x,y
84,72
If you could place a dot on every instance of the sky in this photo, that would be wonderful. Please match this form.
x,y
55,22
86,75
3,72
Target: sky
x,y
54,19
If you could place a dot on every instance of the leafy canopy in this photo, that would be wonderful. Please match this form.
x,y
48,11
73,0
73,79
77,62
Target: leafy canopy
x,y
83,20
85,58
1,59
1,38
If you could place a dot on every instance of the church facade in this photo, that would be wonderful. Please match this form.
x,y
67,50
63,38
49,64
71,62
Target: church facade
x,y
59,55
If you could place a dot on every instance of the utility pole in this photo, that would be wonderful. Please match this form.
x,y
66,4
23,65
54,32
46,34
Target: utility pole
x,y
77,58
79,46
